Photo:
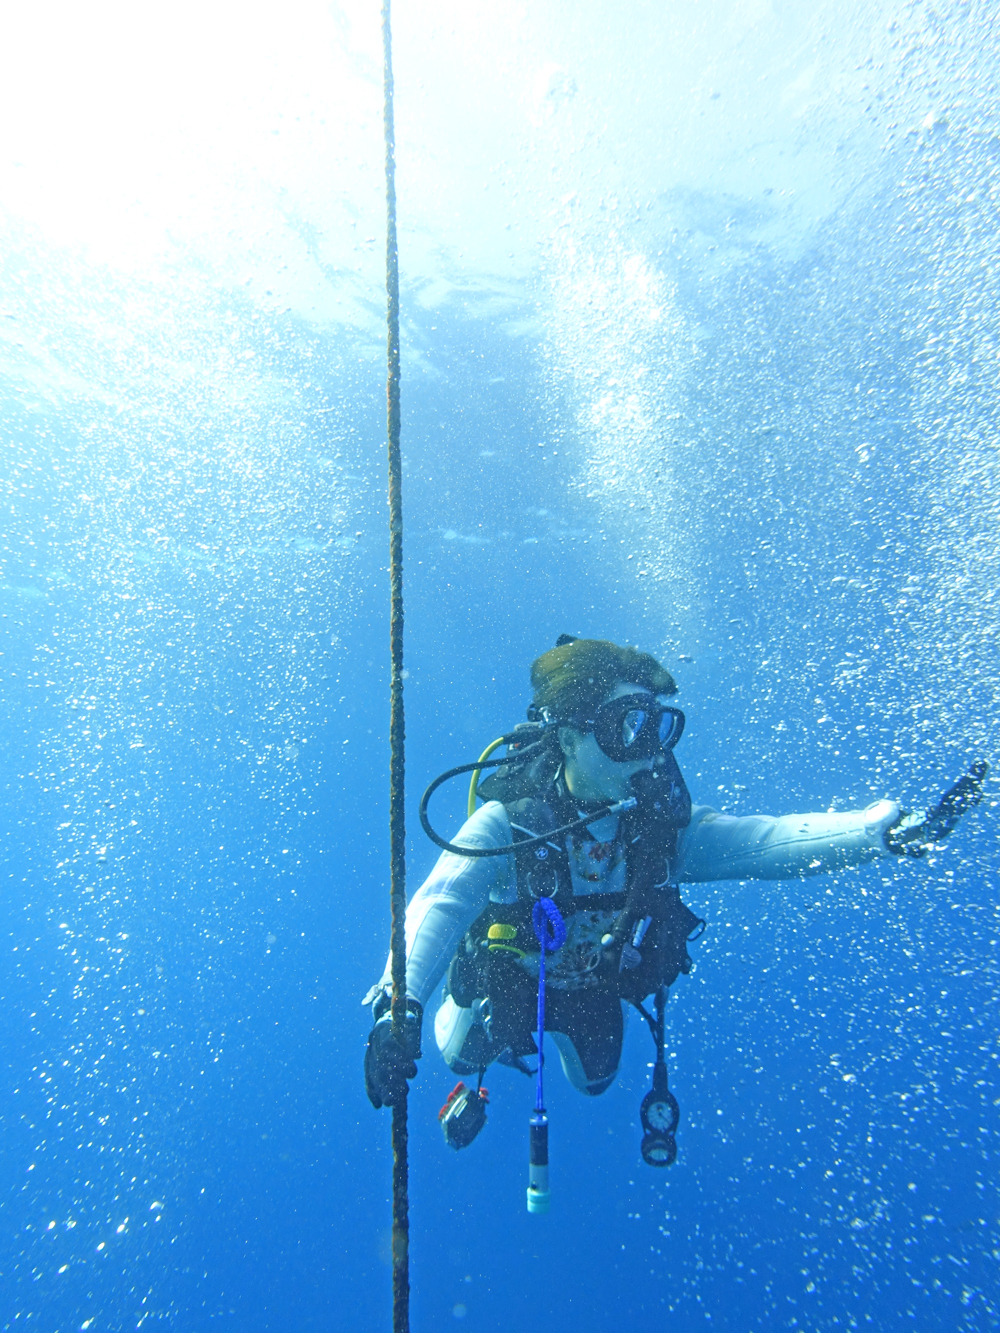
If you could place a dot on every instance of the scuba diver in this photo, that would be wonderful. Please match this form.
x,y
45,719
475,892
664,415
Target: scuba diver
x,y
588,814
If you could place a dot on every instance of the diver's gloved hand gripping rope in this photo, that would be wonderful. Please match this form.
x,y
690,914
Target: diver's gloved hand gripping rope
x,y
389,1063
915,833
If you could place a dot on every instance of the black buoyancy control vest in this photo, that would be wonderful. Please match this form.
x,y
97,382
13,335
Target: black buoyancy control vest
x,y
489,958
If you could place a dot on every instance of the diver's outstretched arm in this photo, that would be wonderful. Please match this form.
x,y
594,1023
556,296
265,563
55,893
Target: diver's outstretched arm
x,y
716,846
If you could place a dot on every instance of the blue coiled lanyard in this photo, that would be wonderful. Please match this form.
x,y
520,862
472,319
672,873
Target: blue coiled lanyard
x,y
550,931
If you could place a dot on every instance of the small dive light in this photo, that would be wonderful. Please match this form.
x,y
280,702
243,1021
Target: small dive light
x,y
550,932
538,1163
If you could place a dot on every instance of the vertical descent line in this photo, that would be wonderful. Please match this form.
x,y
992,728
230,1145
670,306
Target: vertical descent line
x,y
397,730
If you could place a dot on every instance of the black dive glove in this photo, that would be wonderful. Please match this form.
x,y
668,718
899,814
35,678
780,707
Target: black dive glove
x,y
914,833
389,1063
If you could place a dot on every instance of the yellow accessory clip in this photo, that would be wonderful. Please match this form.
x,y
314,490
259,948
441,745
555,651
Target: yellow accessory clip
x,y
499,932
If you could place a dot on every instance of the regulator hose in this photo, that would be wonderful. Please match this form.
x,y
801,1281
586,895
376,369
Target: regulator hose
x,y
614,808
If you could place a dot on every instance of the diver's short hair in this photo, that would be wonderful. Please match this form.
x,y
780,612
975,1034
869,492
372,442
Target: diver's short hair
x,y
570,681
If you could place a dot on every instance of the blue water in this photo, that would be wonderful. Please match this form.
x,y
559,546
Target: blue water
x,y
700,329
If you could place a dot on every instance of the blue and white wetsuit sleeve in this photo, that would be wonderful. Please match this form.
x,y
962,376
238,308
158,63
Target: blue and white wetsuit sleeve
x,y
450,899
716,846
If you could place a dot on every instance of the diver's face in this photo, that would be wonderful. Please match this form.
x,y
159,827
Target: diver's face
x,y
590,774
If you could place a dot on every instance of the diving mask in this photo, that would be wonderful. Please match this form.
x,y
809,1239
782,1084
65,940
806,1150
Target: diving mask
x,y
635,726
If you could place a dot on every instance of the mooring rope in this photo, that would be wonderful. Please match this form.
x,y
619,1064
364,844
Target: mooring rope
x,y
397,729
